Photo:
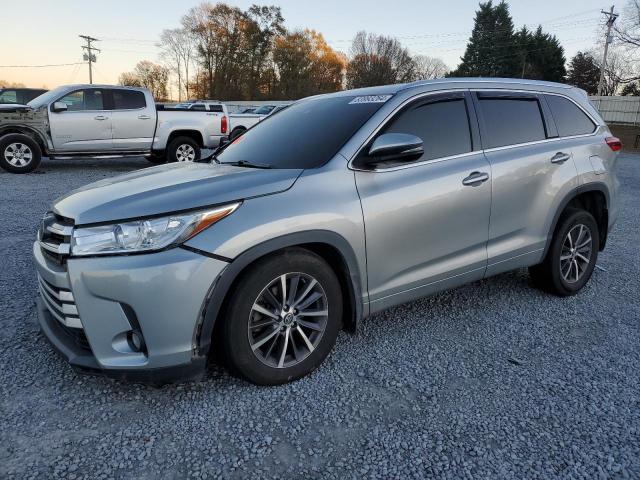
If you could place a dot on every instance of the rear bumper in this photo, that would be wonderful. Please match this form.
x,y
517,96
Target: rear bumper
x,y
88,308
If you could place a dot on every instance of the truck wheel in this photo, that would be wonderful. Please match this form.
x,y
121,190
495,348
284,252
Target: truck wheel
x,y
283,318
183,149
19,153
236,133
572,255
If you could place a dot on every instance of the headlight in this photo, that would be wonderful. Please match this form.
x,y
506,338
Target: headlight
x,y
145,235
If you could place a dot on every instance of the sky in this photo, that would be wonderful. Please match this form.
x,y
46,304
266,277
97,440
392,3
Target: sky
x,y
129,29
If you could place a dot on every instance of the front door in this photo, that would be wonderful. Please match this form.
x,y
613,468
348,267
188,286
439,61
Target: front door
x,y
86,124
427,221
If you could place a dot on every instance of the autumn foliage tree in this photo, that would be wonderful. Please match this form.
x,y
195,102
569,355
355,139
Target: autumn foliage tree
x,y
149,75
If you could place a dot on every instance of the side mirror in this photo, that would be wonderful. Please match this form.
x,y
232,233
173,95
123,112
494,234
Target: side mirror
x,y
60,107
396,146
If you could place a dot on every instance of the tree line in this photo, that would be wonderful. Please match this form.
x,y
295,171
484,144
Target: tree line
x,y
226,53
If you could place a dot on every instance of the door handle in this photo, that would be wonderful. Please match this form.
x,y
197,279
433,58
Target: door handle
x,y
100,117
144,117
475,179
560,157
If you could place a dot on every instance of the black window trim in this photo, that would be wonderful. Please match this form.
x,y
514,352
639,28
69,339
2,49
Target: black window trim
x,y
424,98
541,94
105,100
112,102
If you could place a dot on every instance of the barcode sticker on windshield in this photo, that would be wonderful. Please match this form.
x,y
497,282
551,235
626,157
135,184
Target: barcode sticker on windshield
x,y
371,99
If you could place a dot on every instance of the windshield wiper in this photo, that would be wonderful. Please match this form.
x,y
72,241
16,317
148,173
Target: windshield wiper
x,y
244,163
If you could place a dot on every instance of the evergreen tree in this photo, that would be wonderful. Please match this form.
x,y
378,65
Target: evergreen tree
x,y
494,50
491,49
584,73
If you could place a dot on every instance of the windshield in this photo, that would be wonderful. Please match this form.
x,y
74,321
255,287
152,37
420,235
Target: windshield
x,y
307,134
48,97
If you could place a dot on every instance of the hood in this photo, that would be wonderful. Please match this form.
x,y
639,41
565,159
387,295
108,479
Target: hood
x,y
169,188
13,107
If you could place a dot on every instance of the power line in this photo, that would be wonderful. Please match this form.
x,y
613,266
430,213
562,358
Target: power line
x,y
41,66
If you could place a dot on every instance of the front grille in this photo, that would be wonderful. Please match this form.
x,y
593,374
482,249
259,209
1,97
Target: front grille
x,y
60,303
54,237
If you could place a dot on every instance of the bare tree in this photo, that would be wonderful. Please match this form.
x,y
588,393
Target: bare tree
x,y
378,60
429,67
619,70
178,50
627,30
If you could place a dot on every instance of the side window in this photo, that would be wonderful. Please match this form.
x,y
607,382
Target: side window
x,y
128,99
443,126
215,108
9,96
197,106
570,120
510,121
91,99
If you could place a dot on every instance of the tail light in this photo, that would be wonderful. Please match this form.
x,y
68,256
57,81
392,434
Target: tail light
x,y
614,143
224,124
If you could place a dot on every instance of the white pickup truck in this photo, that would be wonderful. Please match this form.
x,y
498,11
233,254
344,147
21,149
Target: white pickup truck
x,y
104,121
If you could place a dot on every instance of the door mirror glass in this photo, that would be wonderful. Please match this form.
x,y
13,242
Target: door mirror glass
x,y
396,146
60,107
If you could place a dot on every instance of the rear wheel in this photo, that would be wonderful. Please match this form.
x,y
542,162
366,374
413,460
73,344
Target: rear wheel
x,y
572,255
183,149
283,318
19,153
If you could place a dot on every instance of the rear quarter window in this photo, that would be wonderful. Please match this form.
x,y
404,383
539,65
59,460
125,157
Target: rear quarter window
x,y
570,119
511,121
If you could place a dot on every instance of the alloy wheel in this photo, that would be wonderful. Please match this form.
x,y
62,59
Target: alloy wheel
x,y
18,154
576,253
287,320
185,153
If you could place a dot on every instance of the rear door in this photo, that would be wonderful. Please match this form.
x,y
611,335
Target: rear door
x,y
134,120
532,171
426,222
86,124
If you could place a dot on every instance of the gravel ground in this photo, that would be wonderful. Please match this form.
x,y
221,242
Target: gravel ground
x,y
494,379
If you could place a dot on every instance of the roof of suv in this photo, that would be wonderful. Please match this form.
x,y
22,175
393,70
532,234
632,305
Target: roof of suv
x,y
393,89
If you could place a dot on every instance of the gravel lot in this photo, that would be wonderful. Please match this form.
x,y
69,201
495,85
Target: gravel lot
x,y
494,379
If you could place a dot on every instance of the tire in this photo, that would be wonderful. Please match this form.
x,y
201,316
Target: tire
x,y
183,149
245,326
236,132
156,159
558,273
19,153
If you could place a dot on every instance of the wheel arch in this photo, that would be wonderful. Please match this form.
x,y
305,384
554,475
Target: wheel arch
x,y
332,247
28,131
195,135
592,197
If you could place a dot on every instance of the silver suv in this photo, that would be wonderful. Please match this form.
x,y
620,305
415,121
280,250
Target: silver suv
x,y
333,209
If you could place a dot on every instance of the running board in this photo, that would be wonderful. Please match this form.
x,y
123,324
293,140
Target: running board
x,y
99,155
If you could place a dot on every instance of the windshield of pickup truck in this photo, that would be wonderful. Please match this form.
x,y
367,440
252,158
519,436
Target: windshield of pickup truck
x,y
48,97
305,135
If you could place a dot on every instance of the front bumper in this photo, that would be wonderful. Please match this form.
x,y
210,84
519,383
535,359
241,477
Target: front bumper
x,y
89,306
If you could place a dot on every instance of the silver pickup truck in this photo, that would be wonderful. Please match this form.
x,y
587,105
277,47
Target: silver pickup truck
x,y
103,121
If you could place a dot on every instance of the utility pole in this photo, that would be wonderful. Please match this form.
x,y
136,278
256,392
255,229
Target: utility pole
x,y
611,18
88,55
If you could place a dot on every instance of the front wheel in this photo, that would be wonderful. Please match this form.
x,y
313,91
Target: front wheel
x,y
283,318
183,149
572,255
19,153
